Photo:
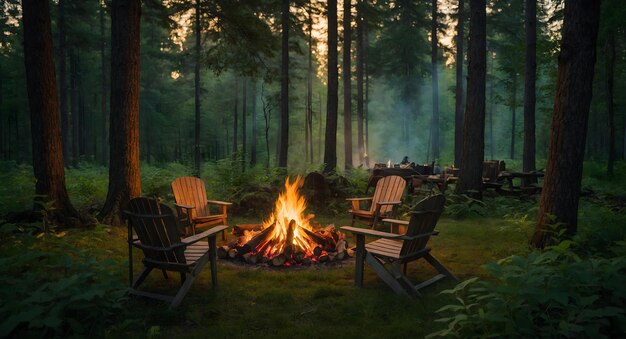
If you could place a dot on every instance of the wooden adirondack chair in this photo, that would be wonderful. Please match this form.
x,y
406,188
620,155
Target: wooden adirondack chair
x,y
491,174
157,235
193,207
400,249
384,203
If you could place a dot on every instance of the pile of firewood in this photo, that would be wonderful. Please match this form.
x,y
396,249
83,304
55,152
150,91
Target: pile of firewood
x,y
330,246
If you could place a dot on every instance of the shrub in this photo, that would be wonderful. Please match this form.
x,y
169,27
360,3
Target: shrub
x,y
554,293
58,294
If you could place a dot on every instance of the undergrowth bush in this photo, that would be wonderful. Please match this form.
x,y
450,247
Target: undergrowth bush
x,y
58,293
552,293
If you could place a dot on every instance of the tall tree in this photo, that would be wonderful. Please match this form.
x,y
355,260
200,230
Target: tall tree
x,y
609,53
62,26
513,114
198,45
284,86
470,179
347,83
458,108
332,101
103,77
433,59
44,110
530,75
561,188
308,119
244,112
360,65
253,143
236,117
124,176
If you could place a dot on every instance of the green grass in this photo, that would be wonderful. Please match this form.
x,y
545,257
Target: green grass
x,y
313,302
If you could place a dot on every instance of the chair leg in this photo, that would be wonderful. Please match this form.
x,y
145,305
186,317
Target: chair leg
x,y
180,295
360,256
439,266
144,274
213,260
385,275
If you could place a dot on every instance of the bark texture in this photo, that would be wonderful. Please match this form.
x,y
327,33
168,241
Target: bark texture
x,y
44,111
124,178
561,188
470,178
330,142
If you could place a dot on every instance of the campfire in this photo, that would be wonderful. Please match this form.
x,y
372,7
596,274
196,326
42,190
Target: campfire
x,y
287,237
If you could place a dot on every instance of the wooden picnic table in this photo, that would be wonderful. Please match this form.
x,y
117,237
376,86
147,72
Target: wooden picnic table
x,y
525,177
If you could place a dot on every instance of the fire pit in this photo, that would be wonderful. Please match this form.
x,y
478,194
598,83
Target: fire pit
x,y
287,237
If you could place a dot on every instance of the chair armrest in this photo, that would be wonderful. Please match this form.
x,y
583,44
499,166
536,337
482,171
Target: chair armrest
x,y
363,231
217,202
389,202
359,199
187,207
385,235
397,222
208,233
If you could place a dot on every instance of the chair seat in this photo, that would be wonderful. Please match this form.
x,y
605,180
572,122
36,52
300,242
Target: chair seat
x,y
387,248
207,218
362,213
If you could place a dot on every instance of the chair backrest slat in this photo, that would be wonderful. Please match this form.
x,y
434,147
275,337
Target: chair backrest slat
x,y
191,191
423,220
155,226
389,188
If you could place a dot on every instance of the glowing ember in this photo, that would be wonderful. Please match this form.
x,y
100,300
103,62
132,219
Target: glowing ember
x,y
287,234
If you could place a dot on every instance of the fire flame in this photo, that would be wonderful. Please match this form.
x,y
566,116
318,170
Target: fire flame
x,y
289,206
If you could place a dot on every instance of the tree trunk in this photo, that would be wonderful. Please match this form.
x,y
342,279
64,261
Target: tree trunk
x,y
236,118
470,178
491,105
244,105
74,107
433,59
253,155
103,76
196,146
284,87
124,176
458,111
610,64
561,187
347,84
530,75
63,81
513,115
44,111
308,126
330,141
359,80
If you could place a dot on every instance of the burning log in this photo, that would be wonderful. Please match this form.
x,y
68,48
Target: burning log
x,y
222,252
239,230
258,239
323,258
317,251
279,260
251,258
320,240
232,253
298,257
289,238
342,245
